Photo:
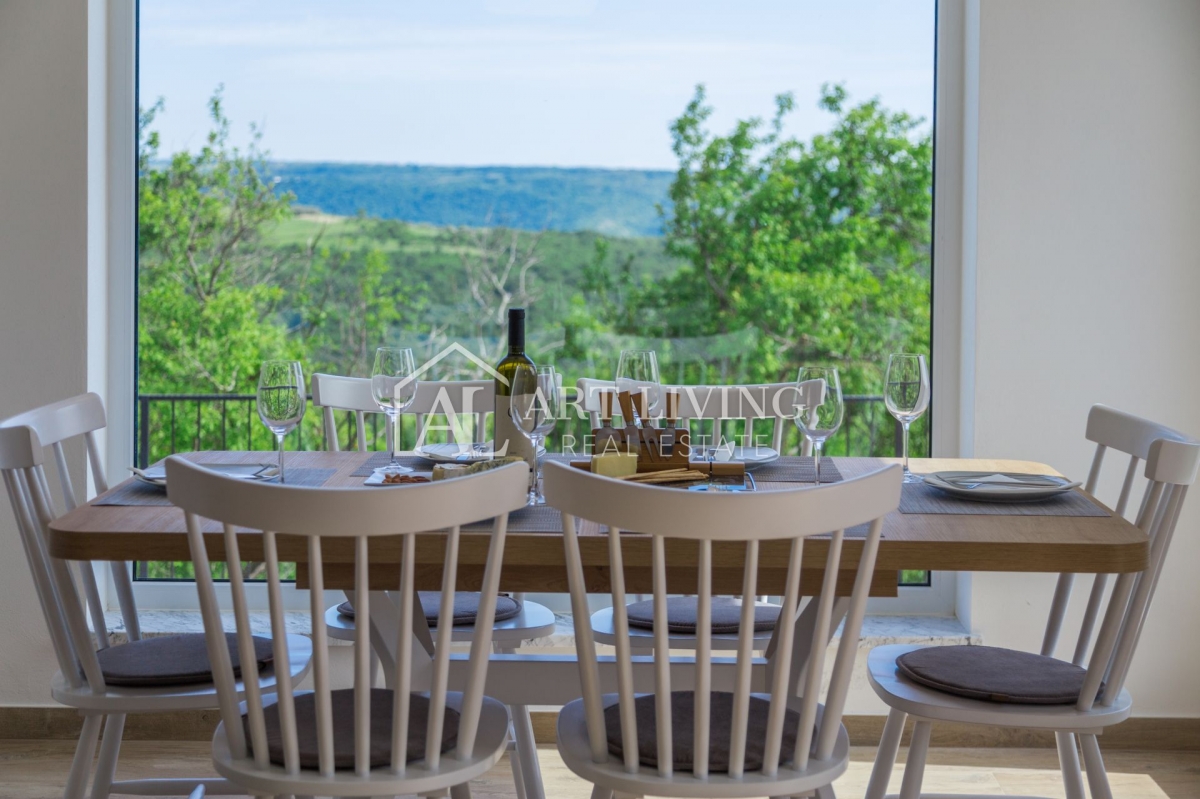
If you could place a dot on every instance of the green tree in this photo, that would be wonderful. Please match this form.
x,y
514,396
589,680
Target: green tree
x,y
822,246
207,302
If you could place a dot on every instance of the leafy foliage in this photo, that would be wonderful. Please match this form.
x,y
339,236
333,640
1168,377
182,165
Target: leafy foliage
x,y
202,296
822,246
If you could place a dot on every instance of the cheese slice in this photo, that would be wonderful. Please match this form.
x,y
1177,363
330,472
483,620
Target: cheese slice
x,y
615,464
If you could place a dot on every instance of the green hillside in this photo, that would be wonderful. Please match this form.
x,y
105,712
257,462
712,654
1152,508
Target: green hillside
x,y
615,202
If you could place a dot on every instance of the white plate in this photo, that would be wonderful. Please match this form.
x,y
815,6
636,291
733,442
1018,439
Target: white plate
x,y
1000,486
460,453
753,457
157,475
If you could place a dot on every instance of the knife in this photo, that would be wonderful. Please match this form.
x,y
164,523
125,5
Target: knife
x,y
646,434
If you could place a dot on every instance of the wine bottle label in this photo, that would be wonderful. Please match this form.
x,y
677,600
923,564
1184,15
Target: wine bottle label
x,y
508,439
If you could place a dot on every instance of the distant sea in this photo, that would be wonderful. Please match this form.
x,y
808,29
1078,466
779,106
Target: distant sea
x,y
616,202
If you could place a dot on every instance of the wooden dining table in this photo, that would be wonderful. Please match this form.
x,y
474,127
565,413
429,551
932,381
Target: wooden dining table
x,y
534,561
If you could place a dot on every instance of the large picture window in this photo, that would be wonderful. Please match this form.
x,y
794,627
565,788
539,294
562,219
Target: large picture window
x,y
744,189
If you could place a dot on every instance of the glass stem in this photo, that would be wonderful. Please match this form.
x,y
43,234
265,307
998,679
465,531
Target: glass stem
x,y
535,491
279,438
395,417
906,449
817,446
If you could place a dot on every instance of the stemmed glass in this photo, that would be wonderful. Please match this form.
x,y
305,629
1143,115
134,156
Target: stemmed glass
x,y
907,397
534,410
819,408
637,372
281,399
394,387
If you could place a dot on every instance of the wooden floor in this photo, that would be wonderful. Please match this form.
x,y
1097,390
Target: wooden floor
x,y
36,769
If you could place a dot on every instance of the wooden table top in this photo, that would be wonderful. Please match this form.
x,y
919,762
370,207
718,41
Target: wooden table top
x,y
534,561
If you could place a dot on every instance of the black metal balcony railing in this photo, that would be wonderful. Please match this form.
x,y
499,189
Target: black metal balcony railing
x,y
170,423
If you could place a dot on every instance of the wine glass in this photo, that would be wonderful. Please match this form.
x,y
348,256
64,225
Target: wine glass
x,y
534,409
394,387
907,396
819,408
281,399
637,372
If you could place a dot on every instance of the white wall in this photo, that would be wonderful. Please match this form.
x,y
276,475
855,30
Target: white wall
x,y
1088,270
43,273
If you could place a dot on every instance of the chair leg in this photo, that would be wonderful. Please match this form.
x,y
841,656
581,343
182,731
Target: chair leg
x,y
826,792
515,761
601,793
81,765
531,771
885,758
1096,774
110,749
461,791
1068,761
914,767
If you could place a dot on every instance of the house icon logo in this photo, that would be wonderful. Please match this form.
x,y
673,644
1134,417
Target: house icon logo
x,y
450,349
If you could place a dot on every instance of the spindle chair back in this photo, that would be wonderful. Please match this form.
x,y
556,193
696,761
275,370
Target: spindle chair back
x,y
680,523
63,589
1171,460
22,458
454,399
321,515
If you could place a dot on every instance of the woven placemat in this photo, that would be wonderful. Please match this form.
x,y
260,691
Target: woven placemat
x,y
796,469
135,492
530,519
920,498
378,459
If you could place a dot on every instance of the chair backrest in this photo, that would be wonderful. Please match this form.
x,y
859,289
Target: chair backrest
x,y
454,399
1171,463
23,439
790,515
724,406
320,514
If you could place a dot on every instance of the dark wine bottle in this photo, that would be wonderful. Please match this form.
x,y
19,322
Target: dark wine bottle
x,y
508,440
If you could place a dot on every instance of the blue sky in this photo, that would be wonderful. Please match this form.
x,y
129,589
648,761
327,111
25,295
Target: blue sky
x,y
518,82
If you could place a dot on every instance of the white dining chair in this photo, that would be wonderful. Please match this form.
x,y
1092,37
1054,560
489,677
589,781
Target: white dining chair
x,y
532,620
465,403
718,405
104,683
414,738
740,735
1076,699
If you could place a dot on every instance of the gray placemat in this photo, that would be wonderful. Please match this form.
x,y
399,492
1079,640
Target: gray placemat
x,y
794,469
530,519
421,465
920,498
378,459
135,492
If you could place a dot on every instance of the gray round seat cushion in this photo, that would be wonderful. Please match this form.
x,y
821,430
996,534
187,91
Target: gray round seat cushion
x,y
343,729
682,612
994,674
683,731
172,660
466,607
